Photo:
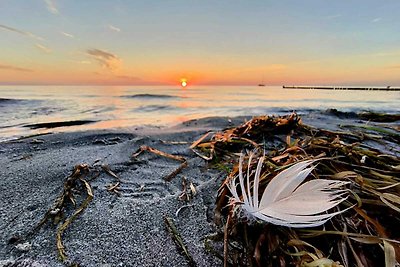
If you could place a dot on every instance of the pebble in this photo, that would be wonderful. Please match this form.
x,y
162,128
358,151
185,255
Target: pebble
x,y
24,247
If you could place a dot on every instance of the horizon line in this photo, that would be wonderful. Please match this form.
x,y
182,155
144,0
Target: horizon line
x,y
197,84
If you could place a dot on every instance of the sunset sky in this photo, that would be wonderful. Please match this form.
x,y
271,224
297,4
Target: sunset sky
x,y
224,42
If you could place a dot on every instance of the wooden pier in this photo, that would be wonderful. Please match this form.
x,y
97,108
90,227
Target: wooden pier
x,y
387,88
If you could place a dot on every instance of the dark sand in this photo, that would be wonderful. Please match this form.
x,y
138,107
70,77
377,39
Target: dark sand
x,y
114,231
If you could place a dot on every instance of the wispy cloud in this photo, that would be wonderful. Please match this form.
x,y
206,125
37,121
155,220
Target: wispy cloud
x,y
113,28
43,48
51,7
25,33
9,67
376,20
106,59
67,35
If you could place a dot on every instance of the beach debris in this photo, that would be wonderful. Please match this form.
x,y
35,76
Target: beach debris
x,y
176,237
247,133
366,115
364,160
114,188
75,183
193,189
181,208
107,169
141,188
188,191
79,171
280,200
166,155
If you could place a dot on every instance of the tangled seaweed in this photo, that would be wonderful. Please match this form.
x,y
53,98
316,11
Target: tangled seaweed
x,y
76,183
366,157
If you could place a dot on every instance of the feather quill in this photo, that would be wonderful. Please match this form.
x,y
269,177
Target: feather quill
x,y
286,201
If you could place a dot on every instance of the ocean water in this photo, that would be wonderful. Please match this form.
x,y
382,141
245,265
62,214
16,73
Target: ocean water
x,y
24,109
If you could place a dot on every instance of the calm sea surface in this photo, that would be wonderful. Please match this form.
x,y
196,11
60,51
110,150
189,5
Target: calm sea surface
x,y
125,106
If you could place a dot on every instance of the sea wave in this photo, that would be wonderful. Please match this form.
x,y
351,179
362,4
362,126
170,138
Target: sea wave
x,y
154,108
150,96
99,109
57,124
46,110
9,100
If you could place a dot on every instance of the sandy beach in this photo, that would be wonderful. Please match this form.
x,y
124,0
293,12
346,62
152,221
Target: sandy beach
x,y
124,229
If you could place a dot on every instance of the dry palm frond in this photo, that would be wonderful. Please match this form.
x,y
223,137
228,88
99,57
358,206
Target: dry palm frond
x,y
284,201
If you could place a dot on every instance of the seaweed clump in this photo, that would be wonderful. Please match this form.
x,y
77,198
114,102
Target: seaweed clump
x,y
364,235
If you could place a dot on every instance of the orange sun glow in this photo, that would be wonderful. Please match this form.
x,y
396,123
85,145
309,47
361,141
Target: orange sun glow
x,y
183,82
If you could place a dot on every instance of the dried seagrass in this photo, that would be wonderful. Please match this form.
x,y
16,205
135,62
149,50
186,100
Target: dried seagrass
x,y
365,157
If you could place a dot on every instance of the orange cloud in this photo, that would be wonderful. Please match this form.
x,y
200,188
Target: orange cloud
x,y
105,59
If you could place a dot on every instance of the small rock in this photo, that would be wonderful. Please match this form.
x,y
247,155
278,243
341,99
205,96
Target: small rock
x,y
24,247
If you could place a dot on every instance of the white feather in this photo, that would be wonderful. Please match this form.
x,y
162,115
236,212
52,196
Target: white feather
x,y
287,202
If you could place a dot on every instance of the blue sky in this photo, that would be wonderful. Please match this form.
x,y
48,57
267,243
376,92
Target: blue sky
x,y
207,42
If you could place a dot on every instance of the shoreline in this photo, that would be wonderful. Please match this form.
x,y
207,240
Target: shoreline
x,y
128,229
38,129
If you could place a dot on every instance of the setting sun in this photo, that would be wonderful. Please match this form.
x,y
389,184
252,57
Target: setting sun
x,y
183,82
